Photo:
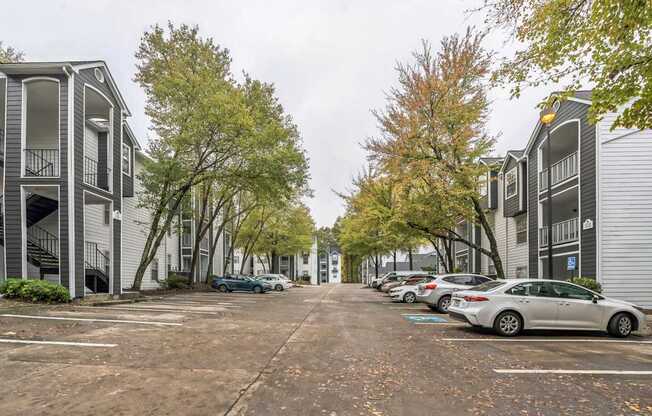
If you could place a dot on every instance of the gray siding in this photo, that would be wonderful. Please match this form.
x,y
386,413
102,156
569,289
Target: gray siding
x,y
511,205
13,180
127,180
86,76
569,110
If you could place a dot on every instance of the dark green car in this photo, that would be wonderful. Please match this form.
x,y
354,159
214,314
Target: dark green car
x,y
239,283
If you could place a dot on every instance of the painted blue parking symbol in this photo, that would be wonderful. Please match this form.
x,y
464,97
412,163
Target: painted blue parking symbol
x,y
425,318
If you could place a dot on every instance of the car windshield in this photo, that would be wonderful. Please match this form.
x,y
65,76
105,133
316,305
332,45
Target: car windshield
x,y
487,286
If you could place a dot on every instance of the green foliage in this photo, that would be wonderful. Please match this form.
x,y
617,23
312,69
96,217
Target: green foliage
x,y
34,291
604,43
174,281
588,283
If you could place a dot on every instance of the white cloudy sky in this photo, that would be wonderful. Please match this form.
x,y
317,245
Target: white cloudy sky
x,y
330,60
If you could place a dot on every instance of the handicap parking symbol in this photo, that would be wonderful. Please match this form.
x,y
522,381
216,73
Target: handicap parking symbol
x,y
425,318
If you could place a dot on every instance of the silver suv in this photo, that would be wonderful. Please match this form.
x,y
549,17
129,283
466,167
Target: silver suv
x,y
437,294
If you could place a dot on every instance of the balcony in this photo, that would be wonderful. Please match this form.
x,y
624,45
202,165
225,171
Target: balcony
x,y
42,162
96,175
562,232
560,171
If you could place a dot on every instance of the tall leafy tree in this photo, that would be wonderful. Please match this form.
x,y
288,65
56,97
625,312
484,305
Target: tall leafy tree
x,y
606,43
198,117
434,134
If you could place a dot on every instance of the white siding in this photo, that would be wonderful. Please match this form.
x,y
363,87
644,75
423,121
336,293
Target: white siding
x,y
135,225
517,254
95,231
90,143
625,212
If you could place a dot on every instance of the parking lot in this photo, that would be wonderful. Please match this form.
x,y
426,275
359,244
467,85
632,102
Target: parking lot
x,y
329,350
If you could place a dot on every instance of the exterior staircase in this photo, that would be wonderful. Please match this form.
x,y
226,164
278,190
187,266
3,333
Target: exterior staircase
x,y
97,266
43,250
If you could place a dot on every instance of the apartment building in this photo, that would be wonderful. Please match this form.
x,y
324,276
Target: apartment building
x,y
69,185
301,265
600,201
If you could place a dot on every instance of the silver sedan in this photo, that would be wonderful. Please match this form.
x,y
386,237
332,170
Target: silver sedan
x,y
437,294
512,305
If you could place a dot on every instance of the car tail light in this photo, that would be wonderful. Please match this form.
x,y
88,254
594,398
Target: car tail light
x,y
430,286
475,298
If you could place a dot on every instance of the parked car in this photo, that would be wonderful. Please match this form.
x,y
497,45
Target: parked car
x,y
395,276
239,283
278,281
406,291
437,293
375,282
510,306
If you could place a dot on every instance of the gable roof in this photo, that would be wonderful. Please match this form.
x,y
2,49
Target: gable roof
x,y
63,67
580,96
131,136
514,154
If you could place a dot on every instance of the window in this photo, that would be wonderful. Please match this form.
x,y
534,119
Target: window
x,y
521,229
539,289
480,280
107,214
236,259
169,262
564,290
154,270
511,183
126,159
306,258
483,185
99,75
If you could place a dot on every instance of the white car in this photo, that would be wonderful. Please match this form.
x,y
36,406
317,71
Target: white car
x,y
512,305
278,281
406,291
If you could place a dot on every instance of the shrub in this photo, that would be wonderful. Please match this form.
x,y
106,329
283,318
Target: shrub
x,y
175,281
35,291
588,283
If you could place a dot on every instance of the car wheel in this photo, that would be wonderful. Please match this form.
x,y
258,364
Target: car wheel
x,y
278,288
620,326
222,288
508,324
443,304
258,289
409,297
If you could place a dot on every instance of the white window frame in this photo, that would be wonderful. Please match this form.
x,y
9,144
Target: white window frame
x,y
513,171
122,158
522,217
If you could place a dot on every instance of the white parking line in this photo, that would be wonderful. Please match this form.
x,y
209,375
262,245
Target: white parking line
x,y
419,314
551,340
117,321
407,307
590,372
71,344
175,305
439,323
127,309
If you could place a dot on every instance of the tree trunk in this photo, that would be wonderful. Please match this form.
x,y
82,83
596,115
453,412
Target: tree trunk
x,y
394,255
376,266
493,245
410,258
441,259
448,247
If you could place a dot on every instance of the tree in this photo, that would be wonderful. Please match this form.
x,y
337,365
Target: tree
x,y
433,136
197,115
10,55
288,230
607,43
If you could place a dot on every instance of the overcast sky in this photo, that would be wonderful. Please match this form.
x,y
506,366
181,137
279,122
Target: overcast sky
x,y
330,60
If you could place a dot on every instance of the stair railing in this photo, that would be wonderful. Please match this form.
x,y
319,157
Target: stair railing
x,y
96,260
42,162
44,240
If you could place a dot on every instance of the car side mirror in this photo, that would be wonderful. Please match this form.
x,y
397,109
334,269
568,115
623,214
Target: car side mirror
x,y
595,299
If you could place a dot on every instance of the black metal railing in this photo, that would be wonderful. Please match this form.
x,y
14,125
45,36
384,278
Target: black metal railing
x,y
41,162
44,240
96,175
96,259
